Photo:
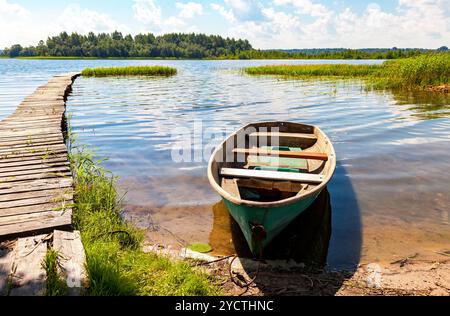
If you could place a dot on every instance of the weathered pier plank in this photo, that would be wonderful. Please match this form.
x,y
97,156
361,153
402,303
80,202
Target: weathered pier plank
x,y
71,260
36,192
28,275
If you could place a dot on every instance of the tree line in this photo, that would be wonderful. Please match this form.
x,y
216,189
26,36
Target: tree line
x,y
116,45
178,45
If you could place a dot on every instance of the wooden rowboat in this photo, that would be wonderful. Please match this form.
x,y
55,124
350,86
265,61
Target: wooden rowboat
x,y
269,173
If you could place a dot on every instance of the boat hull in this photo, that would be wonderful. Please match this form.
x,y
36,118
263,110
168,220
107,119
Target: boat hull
x,y
274,220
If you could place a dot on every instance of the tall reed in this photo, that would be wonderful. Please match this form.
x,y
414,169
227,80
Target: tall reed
x,y
415,73
129,71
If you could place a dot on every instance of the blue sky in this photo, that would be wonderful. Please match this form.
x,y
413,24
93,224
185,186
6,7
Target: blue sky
x,y
265,23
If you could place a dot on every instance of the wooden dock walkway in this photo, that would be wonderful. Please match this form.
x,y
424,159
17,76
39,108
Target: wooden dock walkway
x,y
36,194
35,178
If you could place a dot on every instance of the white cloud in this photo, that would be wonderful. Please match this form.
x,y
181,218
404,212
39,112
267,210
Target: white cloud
x,y
308,24
76,19
150,14
190,9
306,7
227,14
147,11
15,27
12,9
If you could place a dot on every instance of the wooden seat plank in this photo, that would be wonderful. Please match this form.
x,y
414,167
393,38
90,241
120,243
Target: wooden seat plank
x,y
283,135
272,175
283,154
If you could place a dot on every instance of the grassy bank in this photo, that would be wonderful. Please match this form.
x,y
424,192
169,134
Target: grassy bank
x,y
129,71
415,73
116,264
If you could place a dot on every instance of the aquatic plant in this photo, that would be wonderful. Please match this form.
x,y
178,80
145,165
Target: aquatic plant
x,y
200,247
308,71
415,73
116,264
129,71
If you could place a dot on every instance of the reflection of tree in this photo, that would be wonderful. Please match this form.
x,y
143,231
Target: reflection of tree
x,y
306,239
424,105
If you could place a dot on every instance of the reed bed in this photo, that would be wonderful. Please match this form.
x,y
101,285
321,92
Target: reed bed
x,y
309,71
146,71
415,73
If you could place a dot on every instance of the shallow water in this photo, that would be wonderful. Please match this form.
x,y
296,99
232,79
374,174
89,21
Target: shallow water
x,y
390,195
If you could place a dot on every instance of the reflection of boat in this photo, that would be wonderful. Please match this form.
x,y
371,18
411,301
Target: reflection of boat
x,y
269,173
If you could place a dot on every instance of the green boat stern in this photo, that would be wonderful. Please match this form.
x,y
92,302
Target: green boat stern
x,y
261,225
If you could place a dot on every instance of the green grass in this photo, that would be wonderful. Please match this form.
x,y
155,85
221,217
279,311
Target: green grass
x,y
55,285
415,73
129,71
116,265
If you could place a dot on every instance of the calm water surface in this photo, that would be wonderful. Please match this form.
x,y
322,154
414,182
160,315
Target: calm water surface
x,y
390,195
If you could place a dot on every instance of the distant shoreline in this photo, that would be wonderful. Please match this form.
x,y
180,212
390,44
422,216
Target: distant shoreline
x,y
170,58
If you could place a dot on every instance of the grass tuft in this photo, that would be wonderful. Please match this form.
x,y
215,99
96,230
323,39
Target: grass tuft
x,y
56,286
130,71
415,73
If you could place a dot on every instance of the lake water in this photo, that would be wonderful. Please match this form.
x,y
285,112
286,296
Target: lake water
x,y
390,196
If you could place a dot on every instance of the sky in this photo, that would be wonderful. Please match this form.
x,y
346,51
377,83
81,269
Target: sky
x,y
278,24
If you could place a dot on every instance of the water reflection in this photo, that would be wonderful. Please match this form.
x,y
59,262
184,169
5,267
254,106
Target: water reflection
x,y
305,240
423,105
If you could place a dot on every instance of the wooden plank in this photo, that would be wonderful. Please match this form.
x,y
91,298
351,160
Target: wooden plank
x,y
28,278
31,150
272,175
71,260
27,131
37,176
35,201
33,118
28,171
283,186
282,154
283,135
32,209
41,166
230,185
6,264
36,222
32,125
29,136
18,161
48,153
35,185
31,143
34,194
16,173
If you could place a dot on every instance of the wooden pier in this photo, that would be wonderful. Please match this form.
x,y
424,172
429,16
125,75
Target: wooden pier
x,y
36,191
